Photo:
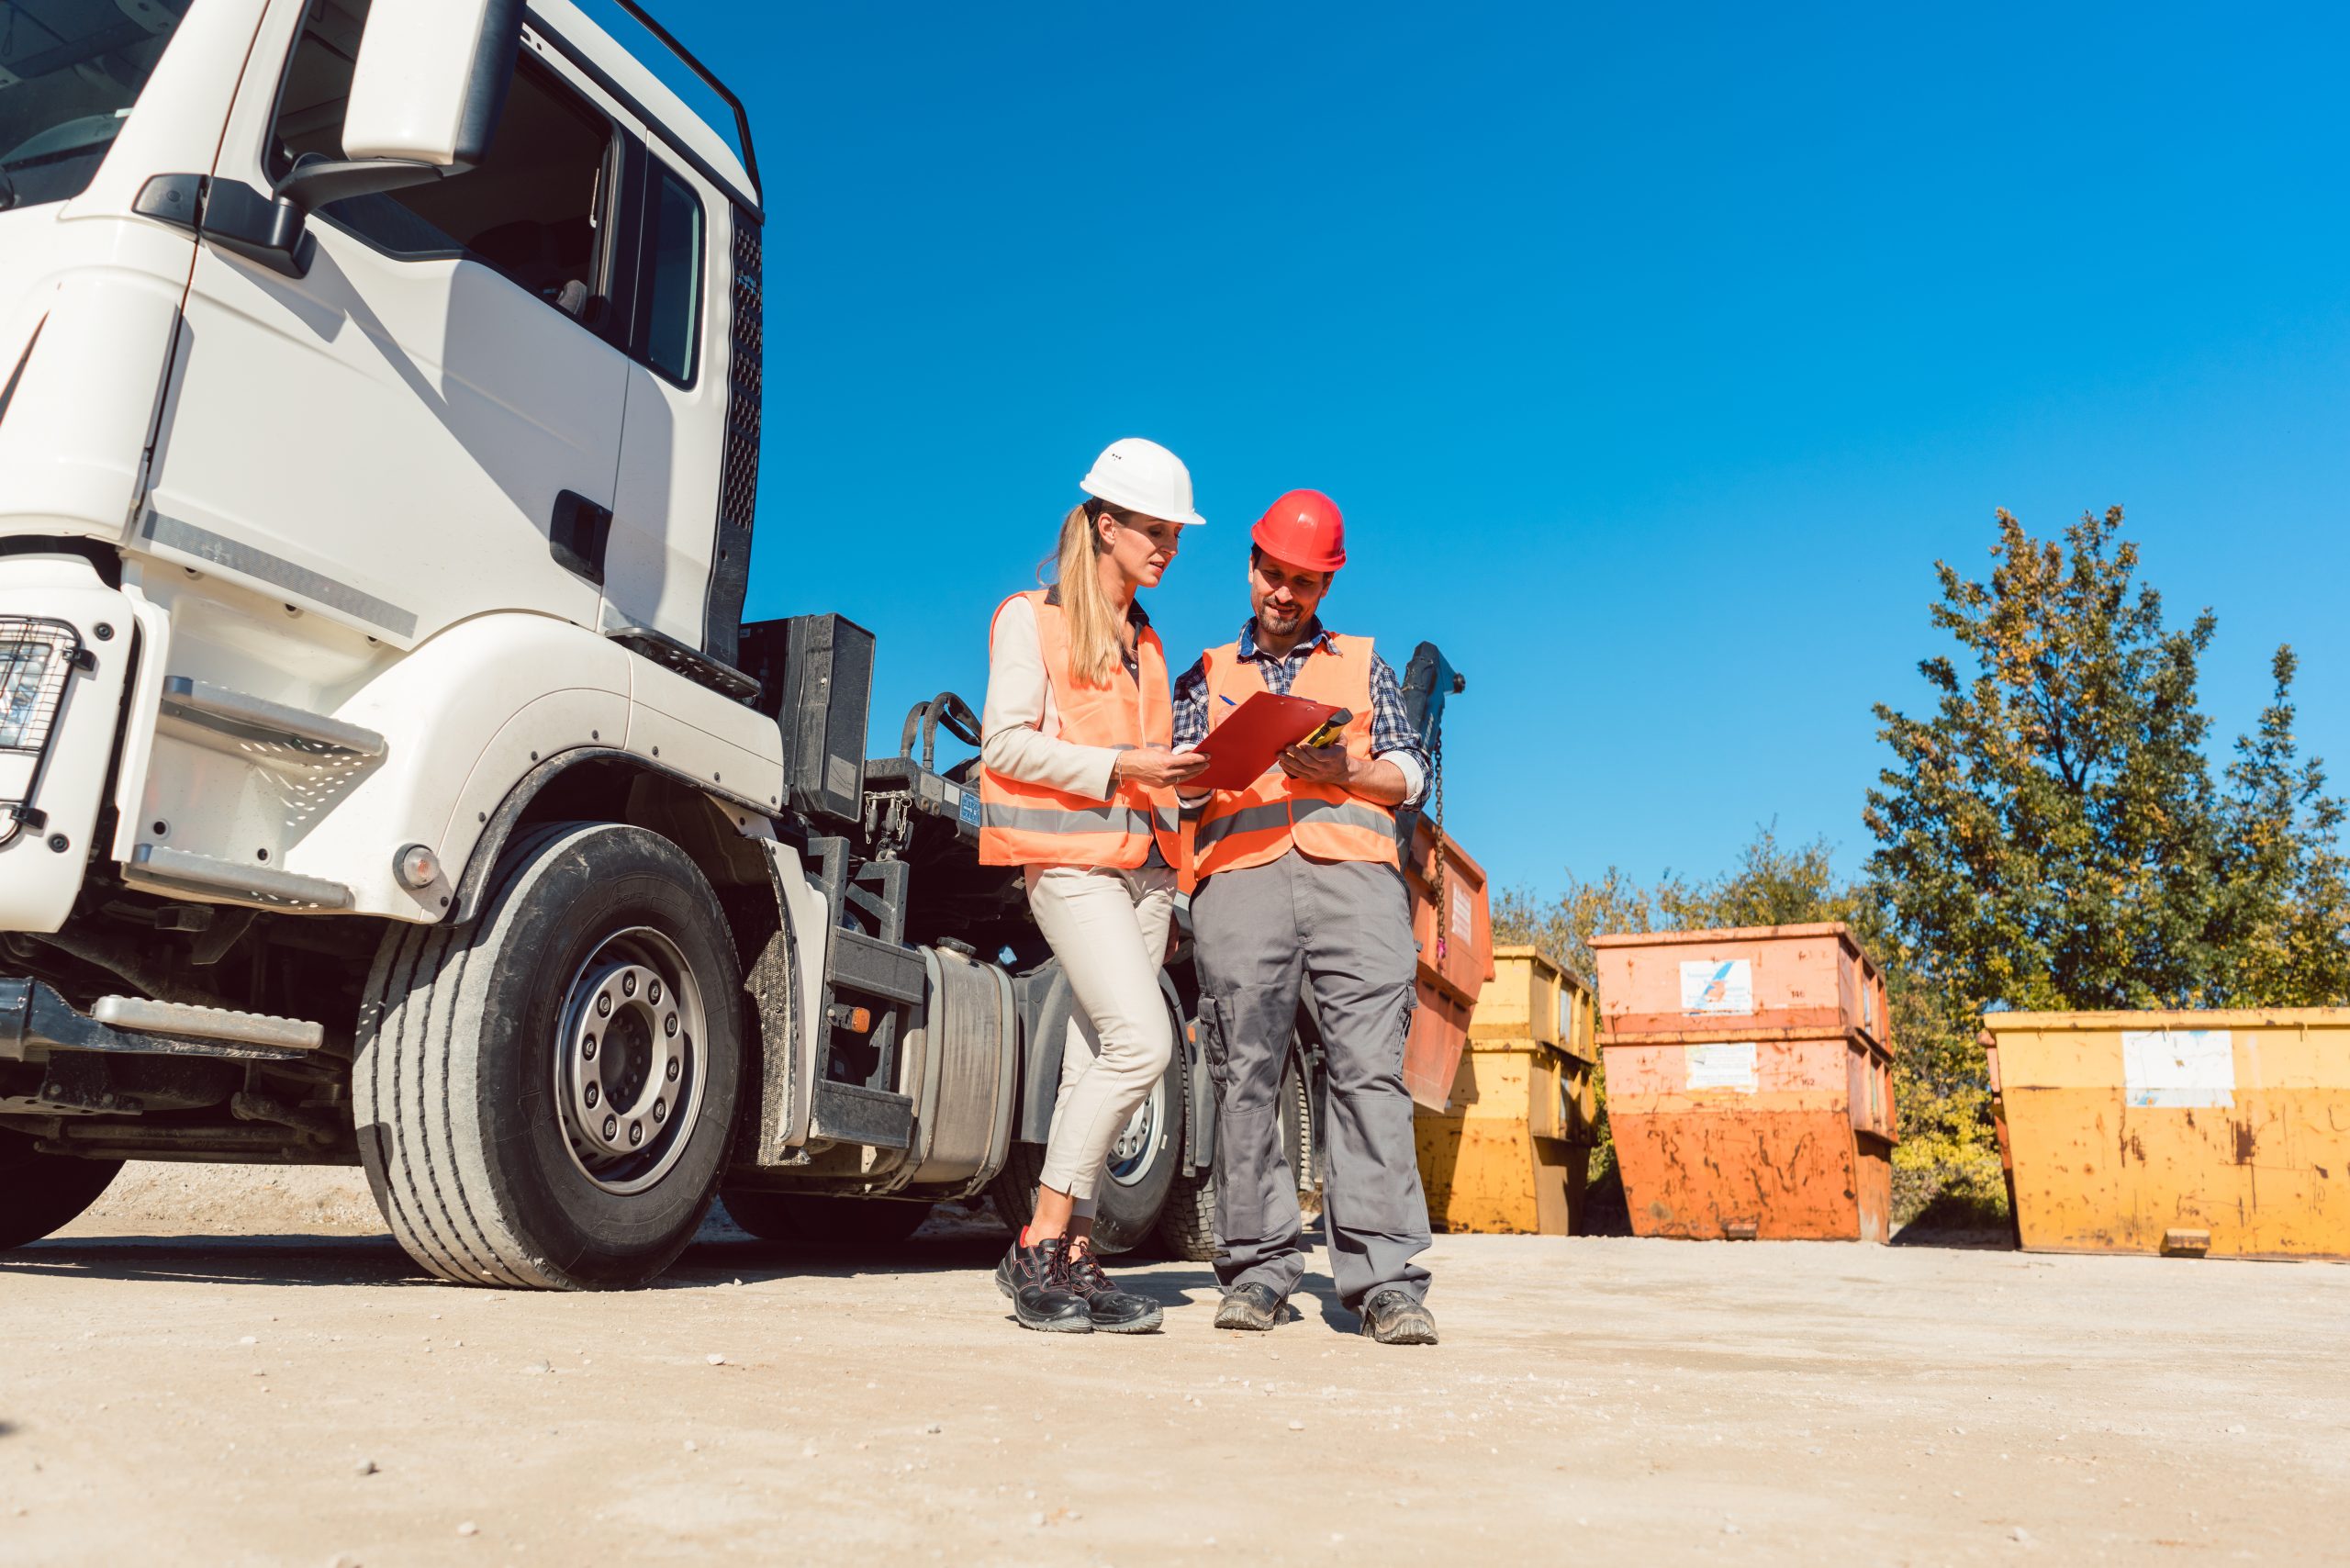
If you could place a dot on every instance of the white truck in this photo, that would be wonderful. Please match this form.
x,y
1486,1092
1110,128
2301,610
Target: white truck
x,y
386,774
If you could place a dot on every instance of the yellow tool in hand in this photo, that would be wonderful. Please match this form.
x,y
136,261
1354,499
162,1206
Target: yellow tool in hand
x,y
1328,731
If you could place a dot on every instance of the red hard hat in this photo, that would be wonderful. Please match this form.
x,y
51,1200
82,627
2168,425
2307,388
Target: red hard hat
x,y
1303,528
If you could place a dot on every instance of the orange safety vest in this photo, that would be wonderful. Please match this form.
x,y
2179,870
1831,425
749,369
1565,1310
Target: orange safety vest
x,y
1239,828
1030,825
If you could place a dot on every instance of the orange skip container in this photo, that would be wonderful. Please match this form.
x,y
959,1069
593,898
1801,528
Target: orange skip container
x,y
1749,1078
1454,928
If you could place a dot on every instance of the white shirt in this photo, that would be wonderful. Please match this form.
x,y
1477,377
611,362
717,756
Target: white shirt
x,y
1020,730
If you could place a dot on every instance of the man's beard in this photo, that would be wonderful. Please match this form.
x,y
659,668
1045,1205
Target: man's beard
x,y
1280,622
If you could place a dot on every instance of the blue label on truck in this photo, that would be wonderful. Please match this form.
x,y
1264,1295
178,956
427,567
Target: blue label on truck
x,y
968,812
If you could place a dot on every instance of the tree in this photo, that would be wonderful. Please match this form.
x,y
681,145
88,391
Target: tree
x,y
2283,920
2050,836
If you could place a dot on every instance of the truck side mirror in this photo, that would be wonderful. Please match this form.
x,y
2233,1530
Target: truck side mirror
x,y
425,99
430,81
426,95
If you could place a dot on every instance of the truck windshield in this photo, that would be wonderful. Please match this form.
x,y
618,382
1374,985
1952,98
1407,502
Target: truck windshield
x,y
69,70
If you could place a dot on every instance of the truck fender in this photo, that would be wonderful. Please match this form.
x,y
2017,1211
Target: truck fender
x,y
1045,1003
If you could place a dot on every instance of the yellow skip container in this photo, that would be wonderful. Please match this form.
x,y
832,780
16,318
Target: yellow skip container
x,y
1509,1153
2225,1134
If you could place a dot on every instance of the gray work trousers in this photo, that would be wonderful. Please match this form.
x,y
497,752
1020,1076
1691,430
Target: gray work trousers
x,y
1344,930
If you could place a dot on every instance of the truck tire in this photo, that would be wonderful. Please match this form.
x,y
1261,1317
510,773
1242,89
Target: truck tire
x,y
1143,1166
42,1192
545,1096
1187,1228
820,1219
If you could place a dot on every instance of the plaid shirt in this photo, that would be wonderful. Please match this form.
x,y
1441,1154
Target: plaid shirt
x,y
1391,729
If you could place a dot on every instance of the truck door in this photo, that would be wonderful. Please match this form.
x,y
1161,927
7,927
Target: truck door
x,y
677,565
428,424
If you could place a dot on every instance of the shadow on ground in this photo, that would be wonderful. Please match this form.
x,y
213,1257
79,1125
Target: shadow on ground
x,y
720,1258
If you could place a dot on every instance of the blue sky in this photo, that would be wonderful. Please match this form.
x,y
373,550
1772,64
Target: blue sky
x,y
1655,354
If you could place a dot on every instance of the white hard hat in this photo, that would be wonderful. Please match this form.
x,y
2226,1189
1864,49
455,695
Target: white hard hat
x,y
1142,476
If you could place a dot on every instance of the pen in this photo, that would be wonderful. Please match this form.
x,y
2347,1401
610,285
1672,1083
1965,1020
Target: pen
x,y
1227,701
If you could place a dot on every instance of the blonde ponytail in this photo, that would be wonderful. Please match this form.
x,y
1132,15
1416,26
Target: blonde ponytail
x,y
1095,653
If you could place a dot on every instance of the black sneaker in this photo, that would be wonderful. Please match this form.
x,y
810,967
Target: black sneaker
x,y
1036,1279
1113,1311
1392,1316
1254,1308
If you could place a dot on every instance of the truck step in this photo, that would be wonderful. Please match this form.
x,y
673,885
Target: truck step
x,y
850,1113
259,883
248,717
35,1021
144,1015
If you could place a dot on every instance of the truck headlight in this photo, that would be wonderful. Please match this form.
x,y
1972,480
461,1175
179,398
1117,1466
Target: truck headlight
x,y
37,656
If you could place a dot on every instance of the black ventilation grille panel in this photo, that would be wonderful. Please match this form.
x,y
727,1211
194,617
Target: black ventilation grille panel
x,y
738,483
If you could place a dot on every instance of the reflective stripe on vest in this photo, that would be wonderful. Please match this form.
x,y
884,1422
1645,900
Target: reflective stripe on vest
x,y
1022,824
1254,826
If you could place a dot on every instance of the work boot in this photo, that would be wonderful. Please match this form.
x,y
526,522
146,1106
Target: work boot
x,y
1254,1308
1392,1315
1113,1311
1036,1279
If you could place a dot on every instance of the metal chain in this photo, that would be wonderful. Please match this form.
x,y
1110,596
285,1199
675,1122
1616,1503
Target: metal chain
x,y
1435,791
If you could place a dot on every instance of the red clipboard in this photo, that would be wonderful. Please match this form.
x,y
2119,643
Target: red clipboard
x,y
1251,737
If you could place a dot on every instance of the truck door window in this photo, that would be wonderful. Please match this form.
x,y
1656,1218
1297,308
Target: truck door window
x,y
69,70
534,209
669,321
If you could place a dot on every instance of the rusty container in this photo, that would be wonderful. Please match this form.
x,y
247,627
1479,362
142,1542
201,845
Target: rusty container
x,y
2224,1133
1452,922
1749,1084
1511,1154
1758,980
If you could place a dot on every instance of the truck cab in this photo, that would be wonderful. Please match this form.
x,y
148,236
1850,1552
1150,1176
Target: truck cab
x,y
387,774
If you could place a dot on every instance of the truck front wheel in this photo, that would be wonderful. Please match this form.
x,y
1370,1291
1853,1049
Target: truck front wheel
x,y
545,1096
41,1192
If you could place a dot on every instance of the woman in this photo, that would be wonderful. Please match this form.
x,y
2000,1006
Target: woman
x,y
1077,786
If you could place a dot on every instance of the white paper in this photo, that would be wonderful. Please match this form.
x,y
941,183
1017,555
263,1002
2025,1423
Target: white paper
x,y
1465,913
2189,1068
1722,1066
1710,987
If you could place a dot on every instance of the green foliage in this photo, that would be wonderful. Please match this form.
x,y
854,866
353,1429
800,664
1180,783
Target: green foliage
x,y
2283,918
2052,837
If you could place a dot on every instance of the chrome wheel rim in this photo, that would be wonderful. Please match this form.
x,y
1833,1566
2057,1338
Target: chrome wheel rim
x,y
1130,1156
628,1063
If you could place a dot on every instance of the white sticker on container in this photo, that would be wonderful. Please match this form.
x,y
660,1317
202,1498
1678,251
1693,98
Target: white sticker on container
x,y
1722,1066
2189,1068
1724,987
1465,913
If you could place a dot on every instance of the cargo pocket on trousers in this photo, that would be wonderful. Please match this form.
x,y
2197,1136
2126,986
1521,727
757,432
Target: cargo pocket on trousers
x,y
1405,1015
1215,1039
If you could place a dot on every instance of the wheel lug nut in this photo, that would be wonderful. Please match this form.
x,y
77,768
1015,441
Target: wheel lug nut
x,y
653,993
604,1005
669,1025
673,1070
628,985
635,1133
594,1094
611,1125
660,1110
589,1050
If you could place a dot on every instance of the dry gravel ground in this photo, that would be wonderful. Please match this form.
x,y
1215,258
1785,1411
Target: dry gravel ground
x,y
175,1392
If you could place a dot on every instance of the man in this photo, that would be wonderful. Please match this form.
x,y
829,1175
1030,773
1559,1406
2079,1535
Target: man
x,y
1298,886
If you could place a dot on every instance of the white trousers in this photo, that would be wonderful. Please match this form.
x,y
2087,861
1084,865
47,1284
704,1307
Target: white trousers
x,y
1108,928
